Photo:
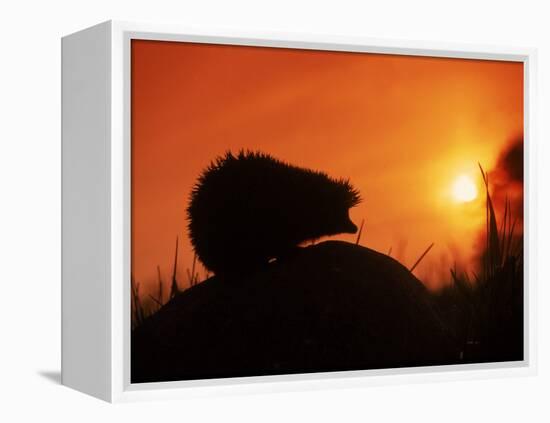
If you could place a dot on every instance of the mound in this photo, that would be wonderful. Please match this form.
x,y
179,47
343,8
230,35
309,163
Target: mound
x,y
333,306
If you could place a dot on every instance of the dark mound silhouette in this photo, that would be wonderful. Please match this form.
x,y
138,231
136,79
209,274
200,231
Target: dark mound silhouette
x,y
247,209
333,306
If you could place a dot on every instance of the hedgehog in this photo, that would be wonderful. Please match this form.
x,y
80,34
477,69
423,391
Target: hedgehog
x,y
248,209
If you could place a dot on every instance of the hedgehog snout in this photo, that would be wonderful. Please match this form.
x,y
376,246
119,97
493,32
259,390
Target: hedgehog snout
x,y
346,226
350,227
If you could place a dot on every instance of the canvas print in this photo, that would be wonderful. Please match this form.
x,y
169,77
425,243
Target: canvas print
x,y
303,211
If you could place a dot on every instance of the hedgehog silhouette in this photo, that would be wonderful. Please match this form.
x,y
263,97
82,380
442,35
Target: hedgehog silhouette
x,y
249,208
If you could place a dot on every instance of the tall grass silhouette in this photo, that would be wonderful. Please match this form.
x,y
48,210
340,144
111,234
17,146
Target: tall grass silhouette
x,y
484,312
144,307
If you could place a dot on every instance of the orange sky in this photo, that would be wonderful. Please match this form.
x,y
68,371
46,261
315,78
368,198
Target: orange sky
x,y
402,128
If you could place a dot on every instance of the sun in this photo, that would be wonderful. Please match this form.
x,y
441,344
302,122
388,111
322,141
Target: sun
x,y
464,189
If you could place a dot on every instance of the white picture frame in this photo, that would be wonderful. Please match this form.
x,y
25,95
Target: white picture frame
x,y
96,213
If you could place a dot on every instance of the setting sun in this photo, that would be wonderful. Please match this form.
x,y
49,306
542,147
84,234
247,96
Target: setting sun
x,y
464,189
